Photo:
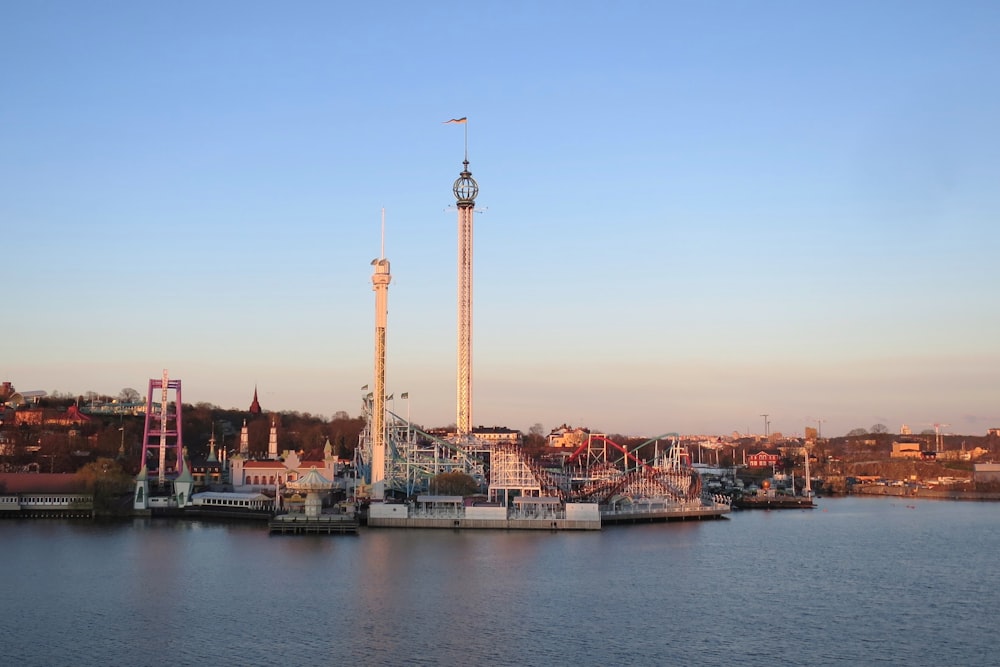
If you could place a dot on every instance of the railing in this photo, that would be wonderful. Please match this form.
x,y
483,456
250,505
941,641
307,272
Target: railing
x,y
437,513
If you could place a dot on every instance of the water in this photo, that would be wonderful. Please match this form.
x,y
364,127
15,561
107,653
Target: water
x,y
856,581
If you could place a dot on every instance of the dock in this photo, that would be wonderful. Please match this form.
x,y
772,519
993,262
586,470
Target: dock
x,y
773,503
692,513
526,513
327,524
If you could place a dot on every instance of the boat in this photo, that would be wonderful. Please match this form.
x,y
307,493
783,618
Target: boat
x,y
230,505
771,501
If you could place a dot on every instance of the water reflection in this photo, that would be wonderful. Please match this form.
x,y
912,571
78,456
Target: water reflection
x,y
856,580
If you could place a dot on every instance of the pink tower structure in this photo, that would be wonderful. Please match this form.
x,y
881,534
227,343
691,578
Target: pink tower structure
x,y
162,431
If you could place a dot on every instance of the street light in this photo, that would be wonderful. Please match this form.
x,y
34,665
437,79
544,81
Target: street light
x,y
406,397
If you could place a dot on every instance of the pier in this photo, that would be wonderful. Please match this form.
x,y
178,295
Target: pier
x,y
299,524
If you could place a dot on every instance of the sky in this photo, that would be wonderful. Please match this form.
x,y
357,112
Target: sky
x,y
690,215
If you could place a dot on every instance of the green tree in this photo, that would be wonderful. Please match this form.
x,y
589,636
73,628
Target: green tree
x,y
455,483
107,473
109,484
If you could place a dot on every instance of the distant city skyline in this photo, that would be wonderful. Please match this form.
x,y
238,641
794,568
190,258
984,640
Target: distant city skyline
x,y
691,213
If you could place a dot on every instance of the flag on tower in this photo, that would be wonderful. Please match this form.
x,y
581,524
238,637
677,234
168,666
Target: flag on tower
x,y
389,397
364,388
456,121
405,395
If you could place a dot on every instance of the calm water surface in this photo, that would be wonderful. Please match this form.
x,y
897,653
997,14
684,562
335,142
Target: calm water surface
x,y
854,582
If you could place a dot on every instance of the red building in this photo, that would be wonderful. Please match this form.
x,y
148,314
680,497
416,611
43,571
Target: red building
x,y
763,459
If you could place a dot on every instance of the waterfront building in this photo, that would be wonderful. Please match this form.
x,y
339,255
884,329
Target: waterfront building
x,y
44,495
484,435
50,416
906,449
497,435
763,459
566,436
986,472
248,474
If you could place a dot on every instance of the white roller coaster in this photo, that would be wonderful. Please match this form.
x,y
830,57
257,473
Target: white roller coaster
x,y
413,458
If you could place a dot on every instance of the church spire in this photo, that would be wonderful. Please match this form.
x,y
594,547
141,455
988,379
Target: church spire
x,y
255,406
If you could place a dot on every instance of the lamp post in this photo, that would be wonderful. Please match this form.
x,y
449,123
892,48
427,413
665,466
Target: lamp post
x,y
406,397
410,454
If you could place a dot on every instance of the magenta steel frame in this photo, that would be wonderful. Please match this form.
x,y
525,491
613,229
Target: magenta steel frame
x,y
174,431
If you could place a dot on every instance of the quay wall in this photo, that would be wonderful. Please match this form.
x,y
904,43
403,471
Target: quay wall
x,y
48,514
493,524
706,513
934,494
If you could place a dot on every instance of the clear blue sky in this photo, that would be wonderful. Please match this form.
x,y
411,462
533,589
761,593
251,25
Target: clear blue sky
x,y
694,212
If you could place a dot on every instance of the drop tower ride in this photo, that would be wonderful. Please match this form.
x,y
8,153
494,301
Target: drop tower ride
x,y
465,190
380,284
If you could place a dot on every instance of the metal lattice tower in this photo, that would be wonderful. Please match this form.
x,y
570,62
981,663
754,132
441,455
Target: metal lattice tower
x,y
380,284
162,430
465,190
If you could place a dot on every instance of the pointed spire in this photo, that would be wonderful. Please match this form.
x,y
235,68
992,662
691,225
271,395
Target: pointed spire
x,y
255,405
272,441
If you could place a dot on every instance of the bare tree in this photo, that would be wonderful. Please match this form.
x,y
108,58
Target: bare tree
x,y
128,395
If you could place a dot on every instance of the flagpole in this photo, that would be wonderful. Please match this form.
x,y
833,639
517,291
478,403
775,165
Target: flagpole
x,y
407,396
464,120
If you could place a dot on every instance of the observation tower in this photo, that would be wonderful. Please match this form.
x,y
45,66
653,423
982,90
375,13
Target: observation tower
x,y
380,284
465,190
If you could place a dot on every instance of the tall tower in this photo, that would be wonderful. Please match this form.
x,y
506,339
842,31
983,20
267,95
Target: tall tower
x,y
272,441
244,440
380,284
465,190
162,430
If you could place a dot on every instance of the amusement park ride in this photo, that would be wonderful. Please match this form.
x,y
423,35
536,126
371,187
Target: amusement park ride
x,y
598,471
399,461
395,460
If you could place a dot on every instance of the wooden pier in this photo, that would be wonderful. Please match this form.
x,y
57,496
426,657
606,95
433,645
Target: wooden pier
x,y
773,503
287,524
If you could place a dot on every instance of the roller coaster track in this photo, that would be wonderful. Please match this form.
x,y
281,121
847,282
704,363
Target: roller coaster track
x,y
510,468
600,438
411,466
644,482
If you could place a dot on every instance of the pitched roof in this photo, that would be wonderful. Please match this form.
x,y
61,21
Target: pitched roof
x,y
268,465
41,482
